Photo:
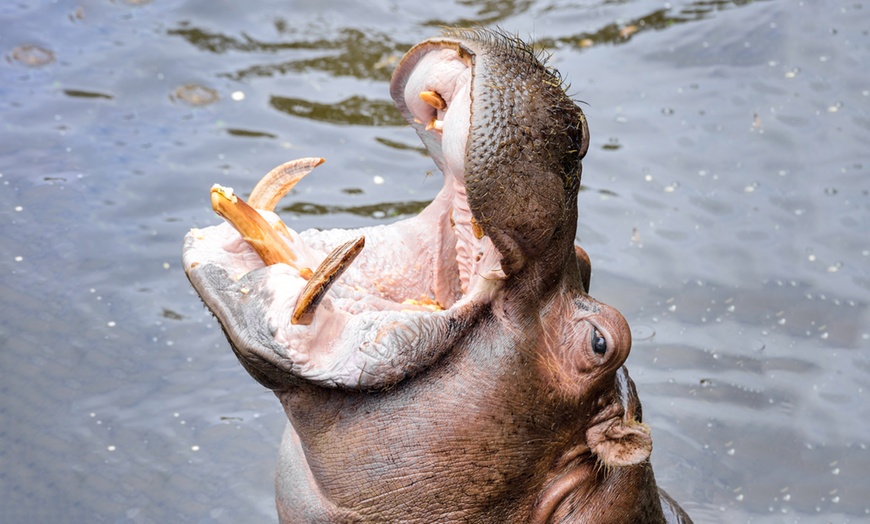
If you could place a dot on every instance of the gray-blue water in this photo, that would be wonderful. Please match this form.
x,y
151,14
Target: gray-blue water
x,y
726,208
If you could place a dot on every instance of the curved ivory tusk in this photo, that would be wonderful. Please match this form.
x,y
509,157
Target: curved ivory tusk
x,y
279,181
252,227
330,269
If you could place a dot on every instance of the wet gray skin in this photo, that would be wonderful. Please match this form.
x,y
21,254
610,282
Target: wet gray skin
x,y
509,401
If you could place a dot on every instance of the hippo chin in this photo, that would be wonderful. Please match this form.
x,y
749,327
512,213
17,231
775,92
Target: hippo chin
x,y
456,370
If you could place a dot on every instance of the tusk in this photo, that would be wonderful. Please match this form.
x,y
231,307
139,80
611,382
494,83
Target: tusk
x,y
330,269
433,99
252,226
279,181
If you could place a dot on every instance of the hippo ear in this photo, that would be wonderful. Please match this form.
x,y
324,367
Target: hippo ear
x,y
620,442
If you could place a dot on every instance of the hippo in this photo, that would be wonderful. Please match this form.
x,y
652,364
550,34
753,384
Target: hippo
x,y
451,366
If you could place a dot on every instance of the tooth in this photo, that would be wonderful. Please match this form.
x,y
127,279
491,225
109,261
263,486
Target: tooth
x,y
433,99
436,124
330,269
279,181
476,229
253,227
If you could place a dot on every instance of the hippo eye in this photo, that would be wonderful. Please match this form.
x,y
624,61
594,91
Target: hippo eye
x,y
599,344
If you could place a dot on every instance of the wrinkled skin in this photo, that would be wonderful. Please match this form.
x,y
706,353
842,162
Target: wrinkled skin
x,y
507,403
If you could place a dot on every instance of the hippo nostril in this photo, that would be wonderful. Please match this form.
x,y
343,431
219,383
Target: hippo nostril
x,y
599,343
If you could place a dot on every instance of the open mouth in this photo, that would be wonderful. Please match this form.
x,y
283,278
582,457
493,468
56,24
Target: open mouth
x,y
355,308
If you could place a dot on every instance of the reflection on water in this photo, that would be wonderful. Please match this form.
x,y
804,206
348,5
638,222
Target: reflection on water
x,y
725,211
351,53
382,210
355,110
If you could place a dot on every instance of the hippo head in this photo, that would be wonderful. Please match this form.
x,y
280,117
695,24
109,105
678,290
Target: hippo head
x,y
455,367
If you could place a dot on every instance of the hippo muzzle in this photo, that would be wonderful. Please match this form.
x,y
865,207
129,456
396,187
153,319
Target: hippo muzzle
x,y
451,366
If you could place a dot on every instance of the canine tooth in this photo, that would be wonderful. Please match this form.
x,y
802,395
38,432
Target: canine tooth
x,y
433,99
327,273
251,226
279,181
